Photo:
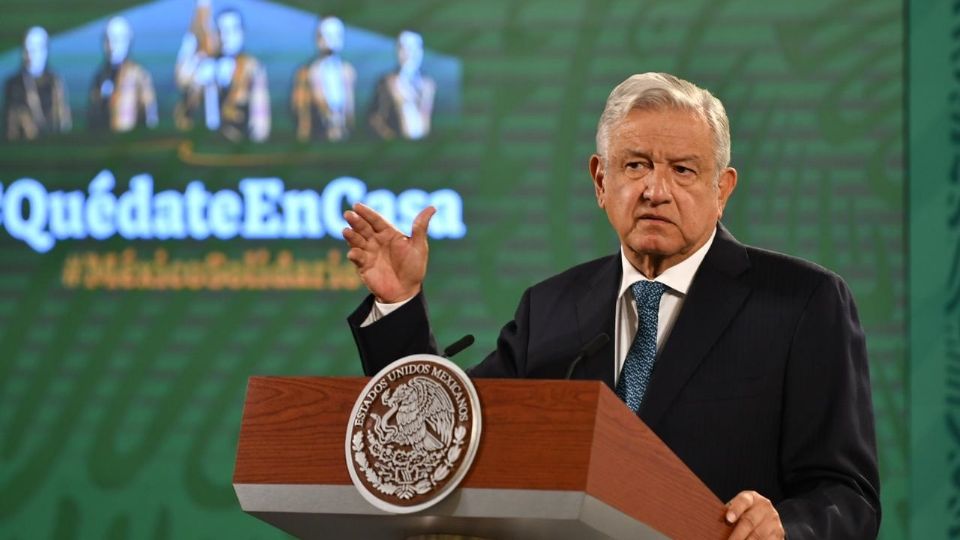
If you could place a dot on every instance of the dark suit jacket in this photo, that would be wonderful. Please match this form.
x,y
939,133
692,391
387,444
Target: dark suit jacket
x,y
762,384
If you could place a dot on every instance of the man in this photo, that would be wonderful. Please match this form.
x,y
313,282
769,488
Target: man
x,y
403,102
122,95
199,44
749,364
322,96
35,98
232,86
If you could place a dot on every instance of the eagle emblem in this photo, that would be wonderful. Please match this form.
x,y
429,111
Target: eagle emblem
x,y
422,414
409,432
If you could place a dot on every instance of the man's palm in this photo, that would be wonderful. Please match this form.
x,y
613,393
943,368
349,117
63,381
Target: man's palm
x,y
391,264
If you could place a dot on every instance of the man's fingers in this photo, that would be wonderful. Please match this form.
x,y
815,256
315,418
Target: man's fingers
x,y
357,256
358,224
750,522
755,517
741,531
366,222
739,504
376,221
420,224
354,239
768,529
771,528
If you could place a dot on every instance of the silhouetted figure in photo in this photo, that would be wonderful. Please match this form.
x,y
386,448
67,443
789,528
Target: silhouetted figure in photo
x,y
236,100
403,103
200,43
35,98
122,96
323,89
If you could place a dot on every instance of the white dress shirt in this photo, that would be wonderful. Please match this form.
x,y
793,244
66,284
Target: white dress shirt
x,y
677,278
381,310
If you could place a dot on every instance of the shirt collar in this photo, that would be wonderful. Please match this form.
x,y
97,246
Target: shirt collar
x,y
678,277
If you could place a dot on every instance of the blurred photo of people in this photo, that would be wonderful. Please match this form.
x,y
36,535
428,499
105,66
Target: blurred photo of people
x,y
322,99
236,100
35,98
200,43
122,96
403,101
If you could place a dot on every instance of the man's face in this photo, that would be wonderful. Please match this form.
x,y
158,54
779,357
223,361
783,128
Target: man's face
x,y
660,187
117,39
409,51
330,35
231,33
35,50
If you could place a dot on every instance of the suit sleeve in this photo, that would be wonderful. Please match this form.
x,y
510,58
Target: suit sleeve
x,y
407,331
404,332
828,445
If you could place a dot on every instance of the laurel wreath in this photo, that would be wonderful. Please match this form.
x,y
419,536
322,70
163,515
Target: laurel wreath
x,y
406,490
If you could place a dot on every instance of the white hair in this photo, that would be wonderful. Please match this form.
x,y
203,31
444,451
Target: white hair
x,y
657,91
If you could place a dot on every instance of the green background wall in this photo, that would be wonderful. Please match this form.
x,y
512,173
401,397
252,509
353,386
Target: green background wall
x,y
119,409
934,276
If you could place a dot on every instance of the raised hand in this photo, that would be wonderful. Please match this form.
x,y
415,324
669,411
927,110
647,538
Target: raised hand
x,y
391,264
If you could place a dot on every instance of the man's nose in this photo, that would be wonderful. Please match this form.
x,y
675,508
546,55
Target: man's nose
x,y
656,184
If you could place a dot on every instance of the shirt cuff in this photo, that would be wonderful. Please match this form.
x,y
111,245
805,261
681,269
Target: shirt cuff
x,y
381,310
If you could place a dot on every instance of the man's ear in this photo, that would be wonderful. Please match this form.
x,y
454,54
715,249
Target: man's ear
x,y
726,183
597,172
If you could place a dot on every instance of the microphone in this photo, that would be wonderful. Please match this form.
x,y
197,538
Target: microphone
x,y
590,349
458,346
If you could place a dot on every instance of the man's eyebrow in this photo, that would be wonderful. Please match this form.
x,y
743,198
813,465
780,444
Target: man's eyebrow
x,y
632,152
687,158
692,157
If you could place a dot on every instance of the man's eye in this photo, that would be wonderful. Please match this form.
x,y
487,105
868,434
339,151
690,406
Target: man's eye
x,y
635,165
680,169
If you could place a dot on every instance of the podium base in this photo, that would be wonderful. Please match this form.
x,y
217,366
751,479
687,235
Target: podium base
x,y
496,514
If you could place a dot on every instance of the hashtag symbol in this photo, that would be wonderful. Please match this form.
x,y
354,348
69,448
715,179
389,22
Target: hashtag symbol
x,y
72,272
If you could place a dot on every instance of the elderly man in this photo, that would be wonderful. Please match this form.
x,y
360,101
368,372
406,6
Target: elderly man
x,y
322,95
35,98
403,100
749,364
199,44
231,85
122,95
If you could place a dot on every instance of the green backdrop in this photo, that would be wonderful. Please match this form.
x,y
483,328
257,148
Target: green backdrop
x,y
119,407
934,263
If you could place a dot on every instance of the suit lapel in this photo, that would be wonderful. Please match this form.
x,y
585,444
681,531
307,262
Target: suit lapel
x,y
713,299
596,309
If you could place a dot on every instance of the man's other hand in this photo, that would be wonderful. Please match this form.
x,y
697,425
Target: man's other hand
x,y
391,264
753,517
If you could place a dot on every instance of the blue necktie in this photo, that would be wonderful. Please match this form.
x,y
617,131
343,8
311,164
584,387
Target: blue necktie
x,y
638,366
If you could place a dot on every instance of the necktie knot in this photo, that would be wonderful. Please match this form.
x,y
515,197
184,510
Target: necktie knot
x,y
647,294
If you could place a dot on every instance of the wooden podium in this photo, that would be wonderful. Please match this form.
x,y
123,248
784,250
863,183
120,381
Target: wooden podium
x,y
557,460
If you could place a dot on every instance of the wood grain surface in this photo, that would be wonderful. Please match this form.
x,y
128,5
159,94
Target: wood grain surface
x,y
549,435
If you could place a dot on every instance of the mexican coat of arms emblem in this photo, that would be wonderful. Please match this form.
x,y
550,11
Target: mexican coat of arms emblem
x,y
413,433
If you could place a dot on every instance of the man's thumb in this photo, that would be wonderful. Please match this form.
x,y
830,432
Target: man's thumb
x,y
420,224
